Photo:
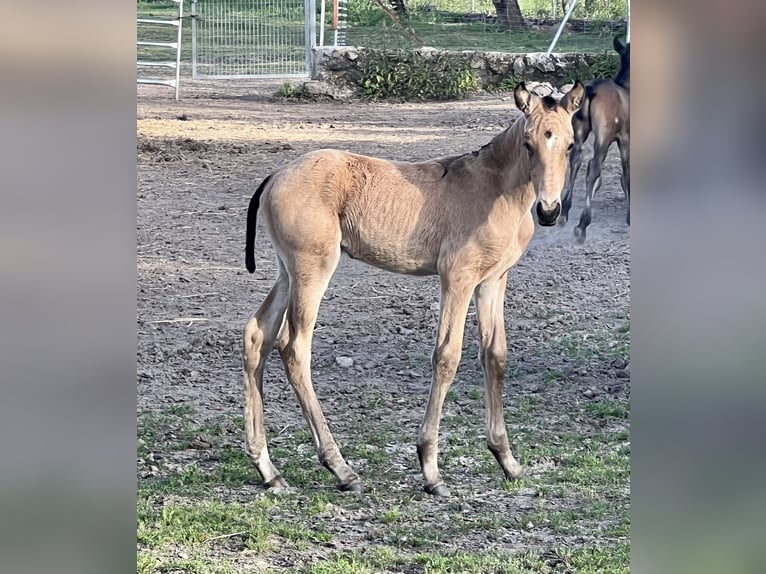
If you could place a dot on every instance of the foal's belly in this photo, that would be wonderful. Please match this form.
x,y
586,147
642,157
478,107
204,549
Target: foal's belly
x,y
391,259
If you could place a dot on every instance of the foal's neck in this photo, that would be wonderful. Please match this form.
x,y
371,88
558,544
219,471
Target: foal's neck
x,y
623,78
506,155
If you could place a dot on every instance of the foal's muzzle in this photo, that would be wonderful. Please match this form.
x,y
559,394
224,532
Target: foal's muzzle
x,y
548,217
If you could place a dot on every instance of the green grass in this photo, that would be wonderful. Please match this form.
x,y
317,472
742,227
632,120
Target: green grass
x,y
204,511
474,36
608,408
599,559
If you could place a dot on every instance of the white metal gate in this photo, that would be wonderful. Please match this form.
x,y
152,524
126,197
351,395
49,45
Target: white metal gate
x,y
174,64
252,38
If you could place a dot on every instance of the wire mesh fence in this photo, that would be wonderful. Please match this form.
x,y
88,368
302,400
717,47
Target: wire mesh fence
x,y
271,38
260,38
491,25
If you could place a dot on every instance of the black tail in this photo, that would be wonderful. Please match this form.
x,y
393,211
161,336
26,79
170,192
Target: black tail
x,y
252,213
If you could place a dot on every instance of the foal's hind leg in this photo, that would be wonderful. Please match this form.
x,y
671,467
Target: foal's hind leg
x,y
489,298
310,276
593,183
624,144
260,333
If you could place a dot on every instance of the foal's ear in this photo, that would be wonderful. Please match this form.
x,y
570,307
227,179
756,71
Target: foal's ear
x,y
573,98
523,98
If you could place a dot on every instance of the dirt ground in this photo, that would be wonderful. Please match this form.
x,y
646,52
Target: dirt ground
x,y
199,161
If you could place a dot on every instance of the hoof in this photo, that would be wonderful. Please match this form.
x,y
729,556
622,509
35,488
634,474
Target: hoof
x,y
562,221
579,233
355,487
515,473
438,490
276,483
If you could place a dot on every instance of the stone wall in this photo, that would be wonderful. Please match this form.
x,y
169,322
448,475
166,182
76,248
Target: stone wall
x,y
337,69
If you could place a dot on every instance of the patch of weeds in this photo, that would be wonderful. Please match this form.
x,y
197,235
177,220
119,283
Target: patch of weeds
x,y
517,485
605,64
592,470
179,410
288,91
369,453
391,515
464,563
572,521
234,467
202,565
607,408
526,408
203,522
594,560
621,435
619,528
172,429
299,533
306,475
451,396
146,563
508,84
408,536
474,394
381,558
406,75
550,375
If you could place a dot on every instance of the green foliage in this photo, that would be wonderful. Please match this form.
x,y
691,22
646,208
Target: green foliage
x,y
605,65
289,91
412,76
602,64
508,84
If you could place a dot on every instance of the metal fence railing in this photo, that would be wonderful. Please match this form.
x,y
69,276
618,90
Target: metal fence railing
x,y
159,45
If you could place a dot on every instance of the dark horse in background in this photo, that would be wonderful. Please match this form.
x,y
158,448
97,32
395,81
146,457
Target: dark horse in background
x,y
605,111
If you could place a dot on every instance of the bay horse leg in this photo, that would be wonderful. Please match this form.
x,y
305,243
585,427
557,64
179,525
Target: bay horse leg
x,y
592,184
489,299
581,127
259,335
310,275
624,144
455,298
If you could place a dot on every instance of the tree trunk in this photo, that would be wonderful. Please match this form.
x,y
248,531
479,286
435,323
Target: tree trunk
x,y
509,15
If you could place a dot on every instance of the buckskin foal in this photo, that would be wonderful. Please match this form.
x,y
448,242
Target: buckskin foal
x,y
465,218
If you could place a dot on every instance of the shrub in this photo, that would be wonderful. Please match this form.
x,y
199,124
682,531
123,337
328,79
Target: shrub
x,y
413,76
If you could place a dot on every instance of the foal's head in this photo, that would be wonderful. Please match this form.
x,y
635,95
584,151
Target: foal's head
x,y
548,138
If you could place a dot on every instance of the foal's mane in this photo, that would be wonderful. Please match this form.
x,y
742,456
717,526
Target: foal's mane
x,y
487,150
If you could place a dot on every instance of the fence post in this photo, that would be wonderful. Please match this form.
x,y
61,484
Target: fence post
x,y
561,27
321,22
310,8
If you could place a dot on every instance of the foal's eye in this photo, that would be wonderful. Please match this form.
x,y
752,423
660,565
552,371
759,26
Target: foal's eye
x,y
528,147
569,148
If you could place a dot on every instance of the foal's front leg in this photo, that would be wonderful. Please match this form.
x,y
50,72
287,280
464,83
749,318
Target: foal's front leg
x,y
489,297
455,297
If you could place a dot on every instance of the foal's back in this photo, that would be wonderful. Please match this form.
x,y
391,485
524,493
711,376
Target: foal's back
x,y
398,216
